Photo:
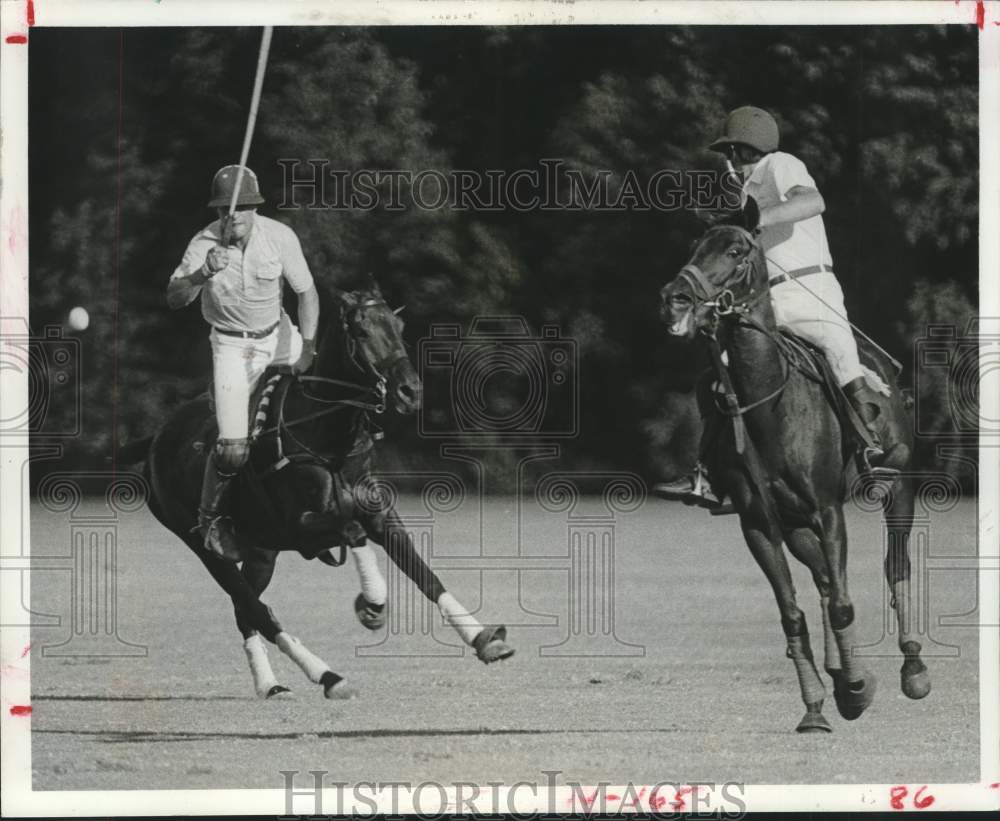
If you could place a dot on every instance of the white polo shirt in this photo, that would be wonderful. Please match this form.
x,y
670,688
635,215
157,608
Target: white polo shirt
x,y
246,294
791,245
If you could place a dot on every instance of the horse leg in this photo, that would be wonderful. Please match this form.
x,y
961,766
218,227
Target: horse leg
x,y
767,551
854,686
804,545
258,568
259,616
488,642
897,507
369,606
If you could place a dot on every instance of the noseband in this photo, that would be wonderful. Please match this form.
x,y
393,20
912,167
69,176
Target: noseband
x,y
720,297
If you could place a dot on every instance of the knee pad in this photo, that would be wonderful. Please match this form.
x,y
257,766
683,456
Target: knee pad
x,y
231,455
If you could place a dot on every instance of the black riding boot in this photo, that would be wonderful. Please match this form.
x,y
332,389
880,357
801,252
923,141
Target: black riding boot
x,y
885,454
695,488
216,528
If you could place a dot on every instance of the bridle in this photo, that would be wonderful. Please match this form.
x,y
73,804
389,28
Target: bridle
x,y
369,398
720,297
721,300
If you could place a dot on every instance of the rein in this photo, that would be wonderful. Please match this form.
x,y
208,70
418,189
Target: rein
x,y
724,304
370,400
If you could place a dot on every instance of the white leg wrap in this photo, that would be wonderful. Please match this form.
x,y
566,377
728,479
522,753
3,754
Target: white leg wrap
x,y
458,617
311,665
372,581
260,667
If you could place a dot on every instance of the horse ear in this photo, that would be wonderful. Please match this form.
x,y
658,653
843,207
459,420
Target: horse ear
x,y
373,285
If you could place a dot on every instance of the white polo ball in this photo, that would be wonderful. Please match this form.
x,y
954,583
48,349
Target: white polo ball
x,y
79,319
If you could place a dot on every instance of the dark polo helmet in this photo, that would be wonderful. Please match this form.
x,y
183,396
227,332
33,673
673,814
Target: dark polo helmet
x,y
224,182
749,126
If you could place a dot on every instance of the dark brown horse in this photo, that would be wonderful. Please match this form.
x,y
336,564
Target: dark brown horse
x,y
783,460
309,485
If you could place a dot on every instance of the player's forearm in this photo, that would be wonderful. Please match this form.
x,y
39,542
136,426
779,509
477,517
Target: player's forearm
x,y
794,209
309,313
181,291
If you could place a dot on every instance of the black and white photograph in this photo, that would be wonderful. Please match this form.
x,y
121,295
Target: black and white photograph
x,y
530,407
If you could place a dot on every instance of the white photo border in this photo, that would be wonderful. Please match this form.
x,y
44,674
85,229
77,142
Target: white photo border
x,y
15,747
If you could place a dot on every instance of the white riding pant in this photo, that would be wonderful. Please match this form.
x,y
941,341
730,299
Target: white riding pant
x,y
237,365
823,321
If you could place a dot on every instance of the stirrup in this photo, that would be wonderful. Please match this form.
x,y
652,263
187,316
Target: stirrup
x,y
876,471
696,492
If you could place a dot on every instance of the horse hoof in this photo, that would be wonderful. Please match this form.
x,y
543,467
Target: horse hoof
x,y
854,697
814,722
914,680
335,688
340,691
371,616
279,692
490,645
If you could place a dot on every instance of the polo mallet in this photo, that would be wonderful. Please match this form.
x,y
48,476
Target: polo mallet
x,y
258,84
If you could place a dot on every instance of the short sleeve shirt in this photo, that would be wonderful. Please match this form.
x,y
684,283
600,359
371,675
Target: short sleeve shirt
x,y
790,245
246,294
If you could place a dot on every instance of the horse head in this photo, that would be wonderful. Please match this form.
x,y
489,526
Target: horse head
x,y
725,275
372,341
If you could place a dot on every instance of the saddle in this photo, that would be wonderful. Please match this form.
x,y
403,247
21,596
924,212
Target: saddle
x,y
812,363
810,360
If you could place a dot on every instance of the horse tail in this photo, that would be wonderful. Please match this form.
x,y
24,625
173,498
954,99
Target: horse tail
x,y
132,453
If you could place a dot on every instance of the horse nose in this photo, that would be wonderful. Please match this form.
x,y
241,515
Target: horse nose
x,y
409,395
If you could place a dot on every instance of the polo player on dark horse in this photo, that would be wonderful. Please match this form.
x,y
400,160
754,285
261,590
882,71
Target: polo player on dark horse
x,y
783,207
790,429
317,489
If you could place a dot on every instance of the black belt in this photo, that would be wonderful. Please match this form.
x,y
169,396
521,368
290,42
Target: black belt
x,y
798,272
249,334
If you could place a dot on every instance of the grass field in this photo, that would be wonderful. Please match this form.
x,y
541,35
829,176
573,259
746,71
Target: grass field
x,y
711,698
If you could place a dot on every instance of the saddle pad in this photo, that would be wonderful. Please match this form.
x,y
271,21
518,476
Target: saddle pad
x,y
258,394
812,362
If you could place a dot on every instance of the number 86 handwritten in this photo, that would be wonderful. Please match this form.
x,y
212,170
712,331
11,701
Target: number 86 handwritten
x,y
897,794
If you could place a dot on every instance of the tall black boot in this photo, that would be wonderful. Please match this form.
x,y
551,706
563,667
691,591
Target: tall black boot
x,y
695,488
216,528
885,455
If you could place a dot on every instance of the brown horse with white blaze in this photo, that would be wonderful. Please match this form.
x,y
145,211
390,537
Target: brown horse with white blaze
x,y
785,463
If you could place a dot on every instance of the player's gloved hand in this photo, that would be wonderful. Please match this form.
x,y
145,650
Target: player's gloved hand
x,y
216,259
305,359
